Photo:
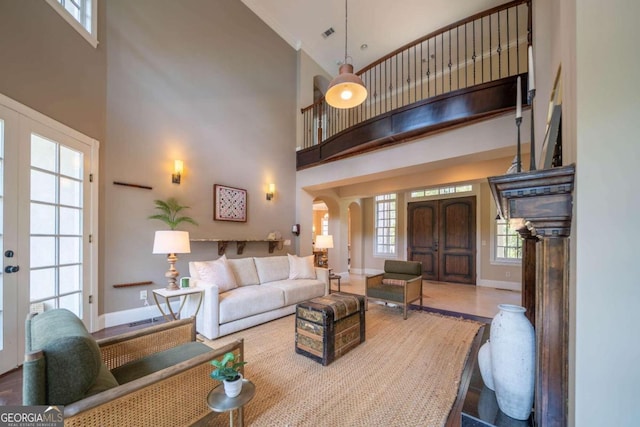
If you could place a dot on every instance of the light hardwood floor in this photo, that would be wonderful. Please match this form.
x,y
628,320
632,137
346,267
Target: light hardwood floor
x,y
475,300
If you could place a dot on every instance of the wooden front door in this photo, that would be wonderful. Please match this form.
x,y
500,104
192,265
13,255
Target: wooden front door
x,y
442,235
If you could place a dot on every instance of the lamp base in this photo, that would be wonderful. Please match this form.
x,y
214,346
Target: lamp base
x,y
172,274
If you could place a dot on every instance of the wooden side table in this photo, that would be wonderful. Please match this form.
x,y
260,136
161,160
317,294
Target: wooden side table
x,y
182,292
218,401
334,277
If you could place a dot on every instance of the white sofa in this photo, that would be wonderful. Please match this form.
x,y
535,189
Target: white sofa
x,y
265,288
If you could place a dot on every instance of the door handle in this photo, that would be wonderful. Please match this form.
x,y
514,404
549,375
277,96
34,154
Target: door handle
x,y
11,268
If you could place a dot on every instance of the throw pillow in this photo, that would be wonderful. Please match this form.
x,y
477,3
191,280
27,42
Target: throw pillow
x,y
217,272
394,282
301,267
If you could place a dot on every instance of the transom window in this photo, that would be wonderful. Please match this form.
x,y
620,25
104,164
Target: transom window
x,y
81,15
386,220
441,191
508,243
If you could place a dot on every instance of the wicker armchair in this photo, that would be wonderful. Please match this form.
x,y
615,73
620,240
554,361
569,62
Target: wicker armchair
x,y
401,283
158,376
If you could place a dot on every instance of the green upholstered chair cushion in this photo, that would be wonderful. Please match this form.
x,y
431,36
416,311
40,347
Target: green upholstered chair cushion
x,y
72,357
411,268
104,382
157,361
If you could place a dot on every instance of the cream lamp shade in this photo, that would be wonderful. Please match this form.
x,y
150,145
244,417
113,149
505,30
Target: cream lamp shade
x,y
171,242
324,242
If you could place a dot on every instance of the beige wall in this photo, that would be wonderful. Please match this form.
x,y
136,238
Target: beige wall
x,y
49,67
607,269
208,83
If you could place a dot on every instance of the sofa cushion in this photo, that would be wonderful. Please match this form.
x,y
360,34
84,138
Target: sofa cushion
x,y
272,268
298,290
247,301
217,272
158,361
104,382
244,269
67,347
301,267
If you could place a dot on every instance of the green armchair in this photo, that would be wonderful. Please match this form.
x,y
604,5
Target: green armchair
x,y
401,283
157,376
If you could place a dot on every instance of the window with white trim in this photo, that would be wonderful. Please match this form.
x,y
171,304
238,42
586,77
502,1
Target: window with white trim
x,y
385,225
82,15
508,243
325,225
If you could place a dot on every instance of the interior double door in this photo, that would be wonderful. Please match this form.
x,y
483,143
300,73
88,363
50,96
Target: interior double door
x,y
442,235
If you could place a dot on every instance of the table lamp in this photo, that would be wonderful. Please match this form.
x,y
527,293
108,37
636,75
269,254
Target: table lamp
x,y
324,242
171,242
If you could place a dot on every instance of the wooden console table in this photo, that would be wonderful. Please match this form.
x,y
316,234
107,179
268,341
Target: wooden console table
x,y
241,243
542,203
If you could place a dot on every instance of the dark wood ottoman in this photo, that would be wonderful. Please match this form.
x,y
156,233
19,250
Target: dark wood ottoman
x,y
328,327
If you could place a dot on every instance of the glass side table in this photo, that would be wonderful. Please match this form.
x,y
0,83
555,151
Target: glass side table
x,y
218,401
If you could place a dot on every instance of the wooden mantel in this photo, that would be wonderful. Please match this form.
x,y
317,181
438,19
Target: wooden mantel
x,y
542,202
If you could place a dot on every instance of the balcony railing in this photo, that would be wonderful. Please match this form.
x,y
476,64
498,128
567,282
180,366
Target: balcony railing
x,y
483,48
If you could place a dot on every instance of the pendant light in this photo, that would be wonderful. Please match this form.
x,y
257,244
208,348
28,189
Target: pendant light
x,y
346,90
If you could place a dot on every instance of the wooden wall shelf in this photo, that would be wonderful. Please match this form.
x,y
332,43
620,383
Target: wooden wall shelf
x,y
240,244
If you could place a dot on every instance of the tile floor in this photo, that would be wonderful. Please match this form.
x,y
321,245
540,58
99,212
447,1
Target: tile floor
x,y
475,300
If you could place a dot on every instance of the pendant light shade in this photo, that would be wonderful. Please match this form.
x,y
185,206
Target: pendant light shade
x,y
346,90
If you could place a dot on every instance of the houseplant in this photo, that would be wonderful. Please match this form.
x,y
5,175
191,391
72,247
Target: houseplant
x,y
228,371
170,209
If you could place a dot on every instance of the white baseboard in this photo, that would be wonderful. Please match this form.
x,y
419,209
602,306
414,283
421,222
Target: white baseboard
x,y
498,284
122,317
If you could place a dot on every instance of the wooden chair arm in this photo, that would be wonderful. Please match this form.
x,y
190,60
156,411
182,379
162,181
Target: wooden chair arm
x,y
376,279
173,396
124,348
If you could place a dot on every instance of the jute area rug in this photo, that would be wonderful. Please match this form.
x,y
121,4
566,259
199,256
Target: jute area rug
x,y
406,373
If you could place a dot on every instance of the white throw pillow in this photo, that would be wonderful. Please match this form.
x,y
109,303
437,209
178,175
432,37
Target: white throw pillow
x,y
217,272
301,267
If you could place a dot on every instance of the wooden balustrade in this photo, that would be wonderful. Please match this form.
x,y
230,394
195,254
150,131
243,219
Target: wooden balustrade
x,y
480,49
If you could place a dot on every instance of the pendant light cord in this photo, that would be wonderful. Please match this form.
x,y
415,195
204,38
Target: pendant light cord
x,y
345,30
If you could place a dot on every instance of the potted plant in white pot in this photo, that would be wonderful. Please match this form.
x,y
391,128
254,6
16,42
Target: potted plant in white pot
x,y
228,371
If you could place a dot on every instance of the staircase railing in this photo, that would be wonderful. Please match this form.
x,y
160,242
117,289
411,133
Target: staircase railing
x,y
481,48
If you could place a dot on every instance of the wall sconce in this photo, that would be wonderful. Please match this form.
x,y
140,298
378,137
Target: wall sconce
x,y
178,168
272,190
296,229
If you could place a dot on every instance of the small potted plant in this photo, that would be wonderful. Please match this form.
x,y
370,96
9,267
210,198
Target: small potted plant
x,y
228,371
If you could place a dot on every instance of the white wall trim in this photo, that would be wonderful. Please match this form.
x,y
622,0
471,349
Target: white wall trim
x,y
122,317
498,284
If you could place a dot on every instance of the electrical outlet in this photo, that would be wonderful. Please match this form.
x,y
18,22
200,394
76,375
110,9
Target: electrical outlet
x,y
508,274
143,295
287,242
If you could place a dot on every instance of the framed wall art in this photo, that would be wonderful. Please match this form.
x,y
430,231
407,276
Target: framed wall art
x,y
229,204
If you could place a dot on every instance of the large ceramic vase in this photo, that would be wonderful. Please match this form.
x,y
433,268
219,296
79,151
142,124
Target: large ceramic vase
x,y
513,361
484,362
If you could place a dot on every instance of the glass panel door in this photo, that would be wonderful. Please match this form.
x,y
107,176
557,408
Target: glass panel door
x,y
56,226
47,211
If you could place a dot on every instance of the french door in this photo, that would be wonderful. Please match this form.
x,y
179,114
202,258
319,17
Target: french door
x,y
47,208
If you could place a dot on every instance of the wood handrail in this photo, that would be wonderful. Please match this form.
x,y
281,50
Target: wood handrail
x,y
443,30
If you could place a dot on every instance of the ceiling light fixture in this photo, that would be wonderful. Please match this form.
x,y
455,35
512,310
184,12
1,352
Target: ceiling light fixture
x,y
346,90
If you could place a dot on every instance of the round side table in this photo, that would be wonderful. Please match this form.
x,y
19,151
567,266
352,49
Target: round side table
x,y
218,401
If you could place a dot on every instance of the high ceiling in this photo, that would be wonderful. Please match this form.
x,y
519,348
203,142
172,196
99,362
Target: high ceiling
x,y
381,25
